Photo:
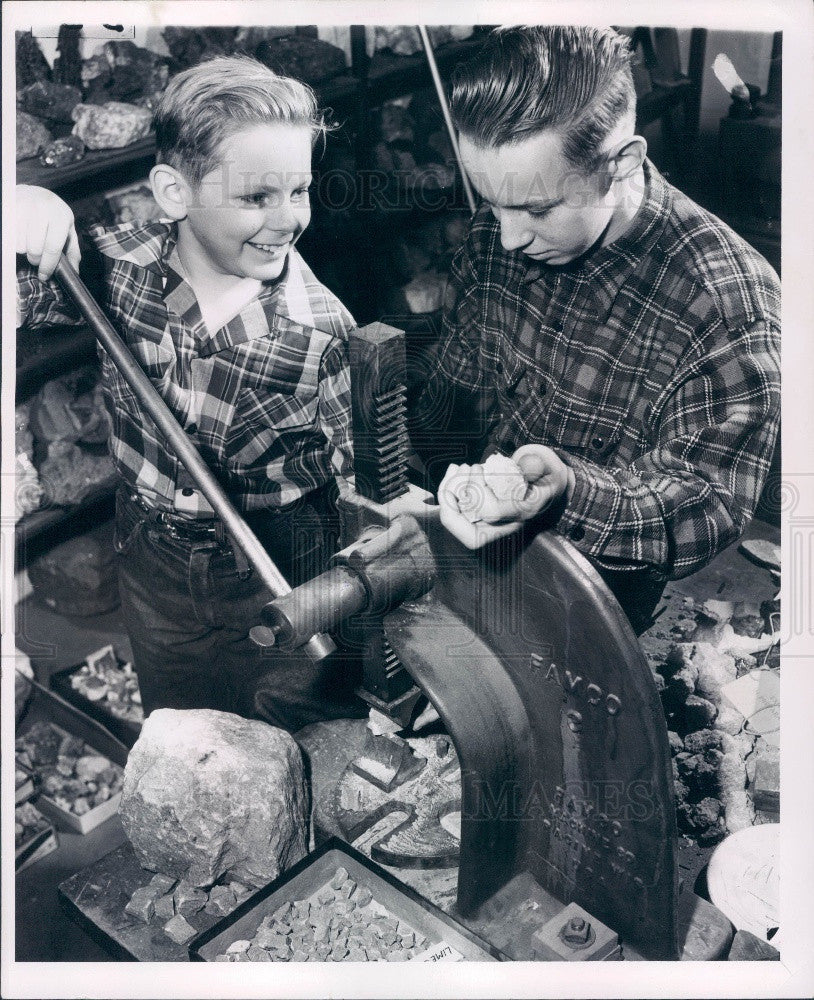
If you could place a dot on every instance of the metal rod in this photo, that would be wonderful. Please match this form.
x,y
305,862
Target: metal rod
x,y
146,393
442,98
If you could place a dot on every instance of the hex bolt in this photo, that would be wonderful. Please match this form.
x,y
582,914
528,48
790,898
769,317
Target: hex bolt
x,y
577,932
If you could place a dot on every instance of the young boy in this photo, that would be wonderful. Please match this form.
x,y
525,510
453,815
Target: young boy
x,y
248,350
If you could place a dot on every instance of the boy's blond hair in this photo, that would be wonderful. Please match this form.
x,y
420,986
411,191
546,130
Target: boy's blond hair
x,y
212,101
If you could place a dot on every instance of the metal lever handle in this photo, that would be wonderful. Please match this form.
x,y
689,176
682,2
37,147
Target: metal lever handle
x,y
319,646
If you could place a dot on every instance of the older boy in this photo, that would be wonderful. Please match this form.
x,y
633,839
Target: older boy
x,y
630,337
249,351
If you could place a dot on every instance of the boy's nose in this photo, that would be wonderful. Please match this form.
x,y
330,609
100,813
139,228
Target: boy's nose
x,y
514,233
281,217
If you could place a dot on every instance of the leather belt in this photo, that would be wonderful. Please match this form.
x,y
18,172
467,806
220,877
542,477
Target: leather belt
x,y
178,526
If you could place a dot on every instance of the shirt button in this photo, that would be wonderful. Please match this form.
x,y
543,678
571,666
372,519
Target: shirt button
x,y
499,368
577,533
509,447
192,428
187,491
598,443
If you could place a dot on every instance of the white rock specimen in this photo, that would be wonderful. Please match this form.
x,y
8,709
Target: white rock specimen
x,y
111,125
208,793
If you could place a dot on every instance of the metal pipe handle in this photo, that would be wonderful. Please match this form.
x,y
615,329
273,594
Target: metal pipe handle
x,y
148,396
442,100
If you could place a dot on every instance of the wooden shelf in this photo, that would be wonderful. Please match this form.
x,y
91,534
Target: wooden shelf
x,y
388,75
34,526
94,162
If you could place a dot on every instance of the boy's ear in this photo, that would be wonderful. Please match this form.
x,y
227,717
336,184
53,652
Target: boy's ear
x,y
625,157
171,190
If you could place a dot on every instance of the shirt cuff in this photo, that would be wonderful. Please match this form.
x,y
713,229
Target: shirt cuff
x,y
613,516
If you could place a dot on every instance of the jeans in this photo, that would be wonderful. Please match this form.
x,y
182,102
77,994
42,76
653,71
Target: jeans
x,y
188,606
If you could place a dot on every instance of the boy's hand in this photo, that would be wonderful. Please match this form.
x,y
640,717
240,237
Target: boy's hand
x,y
45,229
477,508
416,501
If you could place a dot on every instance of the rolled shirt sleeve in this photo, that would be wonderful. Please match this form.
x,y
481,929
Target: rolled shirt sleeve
x,y
42,303
692,494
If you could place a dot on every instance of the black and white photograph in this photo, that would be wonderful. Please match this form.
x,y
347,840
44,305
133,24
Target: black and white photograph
x,y
399,554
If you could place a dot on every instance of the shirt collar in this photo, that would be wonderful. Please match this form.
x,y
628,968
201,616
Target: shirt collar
x,y
152,246
146,245
607,269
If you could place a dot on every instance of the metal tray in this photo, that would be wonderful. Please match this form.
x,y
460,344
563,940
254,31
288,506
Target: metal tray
x,y
123,729
313,872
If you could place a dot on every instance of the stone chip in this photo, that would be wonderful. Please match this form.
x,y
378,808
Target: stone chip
x,y
179,930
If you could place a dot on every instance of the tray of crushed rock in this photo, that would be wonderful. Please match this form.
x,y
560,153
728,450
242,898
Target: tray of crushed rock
x,y
337,906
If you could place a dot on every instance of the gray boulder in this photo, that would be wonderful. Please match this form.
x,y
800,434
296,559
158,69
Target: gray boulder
x,y
208,793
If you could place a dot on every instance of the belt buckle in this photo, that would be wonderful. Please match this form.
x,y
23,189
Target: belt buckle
x,y
168,526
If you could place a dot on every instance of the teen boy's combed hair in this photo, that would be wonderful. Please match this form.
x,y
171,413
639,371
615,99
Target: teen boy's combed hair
x,y
211,101
576,81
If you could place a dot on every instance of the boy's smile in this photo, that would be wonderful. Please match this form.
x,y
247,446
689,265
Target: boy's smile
x,y
247,213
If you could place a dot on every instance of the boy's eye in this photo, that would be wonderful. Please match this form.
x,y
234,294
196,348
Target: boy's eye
x,y
260,200
300,193
539,213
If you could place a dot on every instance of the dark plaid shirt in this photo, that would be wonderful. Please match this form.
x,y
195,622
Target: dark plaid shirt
x,y
651,368
266,398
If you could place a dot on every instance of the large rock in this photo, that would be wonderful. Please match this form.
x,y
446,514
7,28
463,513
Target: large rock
x,y
206,793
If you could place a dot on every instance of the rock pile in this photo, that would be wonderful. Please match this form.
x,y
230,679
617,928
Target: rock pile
x,y
172,904
714,750
339,922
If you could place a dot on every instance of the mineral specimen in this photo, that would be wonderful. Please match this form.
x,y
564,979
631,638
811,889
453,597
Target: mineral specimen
x,y
32,135
62,152
69,473
53,102
310,59
122,71
189,46
207,793
111,125
78,576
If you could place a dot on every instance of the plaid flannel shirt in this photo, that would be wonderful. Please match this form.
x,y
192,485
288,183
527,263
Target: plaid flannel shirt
x,y
651,367
266,398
